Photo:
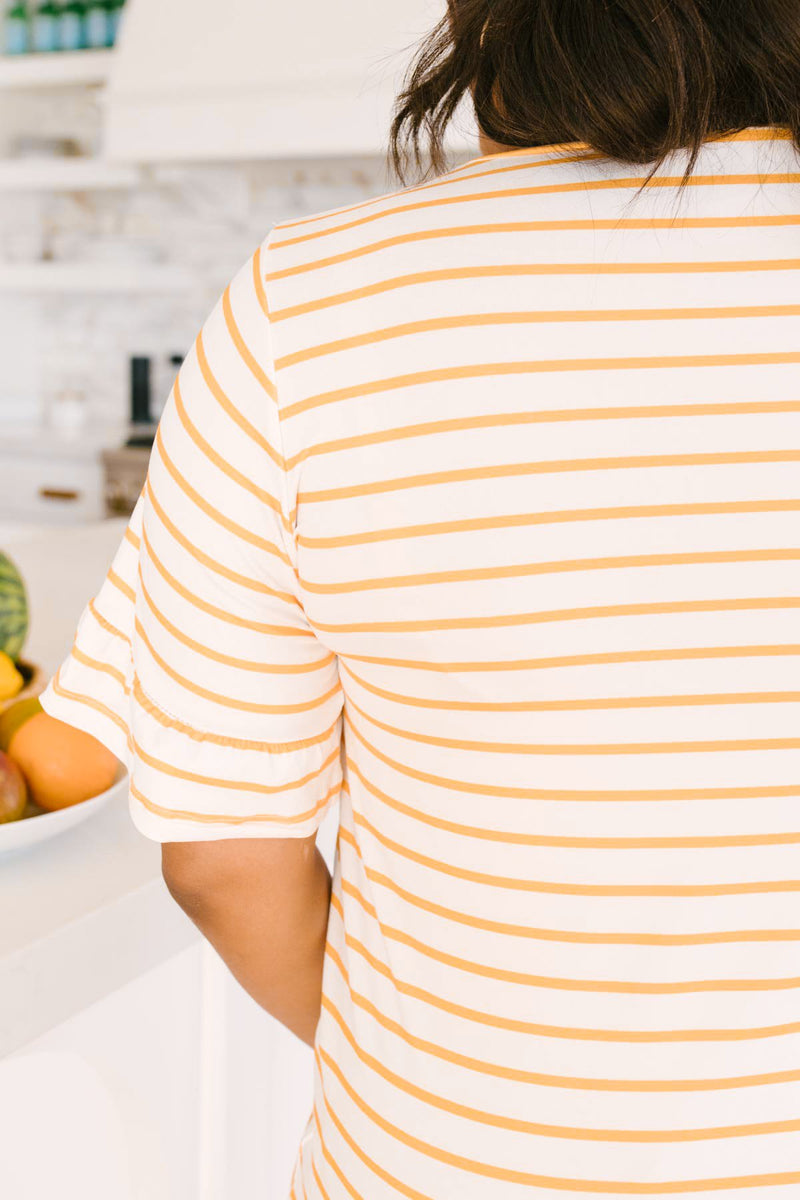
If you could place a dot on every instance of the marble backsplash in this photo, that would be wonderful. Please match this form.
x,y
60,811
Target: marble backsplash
x,y
201,219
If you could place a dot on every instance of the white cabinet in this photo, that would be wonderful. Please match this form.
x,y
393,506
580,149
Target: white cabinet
x,y
176,1086
106,1104
45,489
50,485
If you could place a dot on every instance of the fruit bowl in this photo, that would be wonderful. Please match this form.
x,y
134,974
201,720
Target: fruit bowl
x,y
34,682
37,825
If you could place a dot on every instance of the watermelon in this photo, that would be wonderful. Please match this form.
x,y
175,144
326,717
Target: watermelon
x,y
13,609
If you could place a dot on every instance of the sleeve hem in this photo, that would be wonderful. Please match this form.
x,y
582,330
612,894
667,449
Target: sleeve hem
x,y
82,716
166,829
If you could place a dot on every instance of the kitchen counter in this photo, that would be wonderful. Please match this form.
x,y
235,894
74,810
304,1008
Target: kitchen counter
x,y
87,912
62,567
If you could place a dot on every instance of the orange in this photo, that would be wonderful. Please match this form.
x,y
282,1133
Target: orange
x,y
61,764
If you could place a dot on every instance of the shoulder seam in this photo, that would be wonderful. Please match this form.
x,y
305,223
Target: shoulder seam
x,y
289,523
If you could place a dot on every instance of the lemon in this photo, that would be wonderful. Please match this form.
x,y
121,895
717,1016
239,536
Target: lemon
x,y
11,681
15,714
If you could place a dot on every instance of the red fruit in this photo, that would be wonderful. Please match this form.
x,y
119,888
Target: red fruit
x,y
13,792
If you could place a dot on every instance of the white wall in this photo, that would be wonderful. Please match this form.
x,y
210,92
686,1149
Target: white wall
x,y
206,219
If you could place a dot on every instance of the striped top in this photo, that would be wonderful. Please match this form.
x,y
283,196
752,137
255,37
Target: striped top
x,y
475,509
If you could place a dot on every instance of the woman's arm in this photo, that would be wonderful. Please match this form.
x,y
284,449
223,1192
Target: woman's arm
x,y
263,905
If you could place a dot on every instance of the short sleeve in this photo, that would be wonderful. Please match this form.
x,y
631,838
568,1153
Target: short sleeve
x,y
195,662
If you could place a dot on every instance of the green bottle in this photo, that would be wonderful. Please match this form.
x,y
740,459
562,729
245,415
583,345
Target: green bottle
x,y
115,12
46,27
98,24
72,25
16,29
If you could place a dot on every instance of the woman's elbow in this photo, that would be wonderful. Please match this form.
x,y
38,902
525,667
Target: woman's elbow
x,y
194,873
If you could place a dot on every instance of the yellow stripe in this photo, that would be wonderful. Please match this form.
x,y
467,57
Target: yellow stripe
x,y
121,585
567,936
518,270
179,814
501,420
346,1184
232,473
539,317
218,517
601,703
561,566
105,668
497,1070
90,702
258,284
528,1178
235,785
423,187
518,838
214,387
229,701
575,748
753,133
555,516
549,189
539,1129
574,225
758,133
239,664
251,361
534,1029
613,795
628,987
106,625
555,888
549,467
170,722
211,564
247,623
558,614
397,1184
542,366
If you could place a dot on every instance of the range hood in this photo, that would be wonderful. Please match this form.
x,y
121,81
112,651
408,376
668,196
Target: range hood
x,y
246,79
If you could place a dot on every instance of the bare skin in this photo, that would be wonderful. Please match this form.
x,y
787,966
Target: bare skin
x,y
489,147
263,904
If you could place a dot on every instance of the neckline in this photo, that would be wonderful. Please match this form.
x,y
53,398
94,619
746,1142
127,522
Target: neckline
x,y
752,133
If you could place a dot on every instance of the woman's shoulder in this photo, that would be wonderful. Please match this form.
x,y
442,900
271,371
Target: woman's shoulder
x,y
465,194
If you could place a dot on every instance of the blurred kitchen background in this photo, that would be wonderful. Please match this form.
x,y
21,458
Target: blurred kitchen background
x,y
146,148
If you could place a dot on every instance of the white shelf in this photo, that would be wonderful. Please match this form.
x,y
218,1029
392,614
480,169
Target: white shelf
x,y
65,174
93,277
57,69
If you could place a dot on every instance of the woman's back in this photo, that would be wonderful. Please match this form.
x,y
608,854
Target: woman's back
x,y
505,467
544,453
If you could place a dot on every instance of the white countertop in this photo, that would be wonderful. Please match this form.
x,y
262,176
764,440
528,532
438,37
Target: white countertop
x,y
88,911
62,568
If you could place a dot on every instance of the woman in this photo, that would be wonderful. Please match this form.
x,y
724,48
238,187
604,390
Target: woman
x,y
475,507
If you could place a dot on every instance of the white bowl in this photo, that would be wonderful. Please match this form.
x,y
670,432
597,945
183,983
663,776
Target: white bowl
x,y
37,826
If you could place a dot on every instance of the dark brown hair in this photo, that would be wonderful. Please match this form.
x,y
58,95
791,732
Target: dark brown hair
x,y
633,79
